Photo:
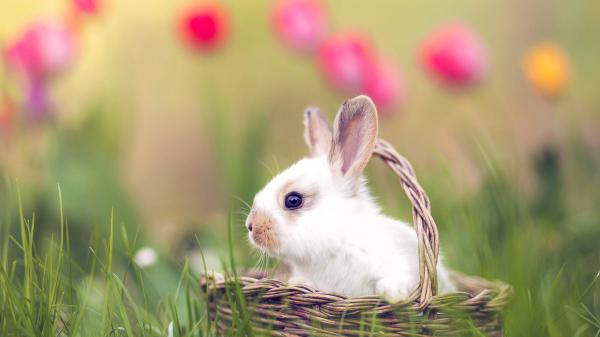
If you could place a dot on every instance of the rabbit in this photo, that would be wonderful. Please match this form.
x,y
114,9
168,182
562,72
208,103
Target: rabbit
x,y
318,217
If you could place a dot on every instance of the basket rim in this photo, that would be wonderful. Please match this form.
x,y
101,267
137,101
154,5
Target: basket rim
x,y
494,294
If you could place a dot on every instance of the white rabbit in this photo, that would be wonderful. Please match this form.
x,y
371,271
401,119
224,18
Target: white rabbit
x,y
318,216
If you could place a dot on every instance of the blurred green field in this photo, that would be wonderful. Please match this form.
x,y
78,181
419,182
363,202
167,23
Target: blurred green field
x,y
156,146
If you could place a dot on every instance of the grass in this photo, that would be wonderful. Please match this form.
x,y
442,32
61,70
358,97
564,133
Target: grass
x,y
547,251
46,292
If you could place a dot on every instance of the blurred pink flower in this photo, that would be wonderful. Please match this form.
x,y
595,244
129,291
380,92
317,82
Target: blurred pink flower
x,y
346,60
205,26
43,50
86,6
386,87
455,55
38,106
300,24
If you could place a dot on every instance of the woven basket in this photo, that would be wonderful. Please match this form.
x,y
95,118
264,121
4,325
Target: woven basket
x,y
274,308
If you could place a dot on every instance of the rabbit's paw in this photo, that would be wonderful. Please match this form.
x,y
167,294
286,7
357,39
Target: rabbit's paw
x,y
394,289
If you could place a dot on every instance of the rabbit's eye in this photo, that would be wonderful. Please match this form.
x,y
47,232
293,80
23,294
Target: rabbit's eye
x,y
293,200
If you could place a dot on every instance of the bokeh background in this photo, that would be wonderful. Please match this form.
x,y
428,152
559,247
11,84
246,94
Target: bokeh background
x,y
174,133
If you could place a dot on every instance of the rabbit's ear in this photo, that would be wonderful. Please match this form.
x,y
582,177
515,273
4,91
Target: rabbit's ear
x,y
317,132
354,136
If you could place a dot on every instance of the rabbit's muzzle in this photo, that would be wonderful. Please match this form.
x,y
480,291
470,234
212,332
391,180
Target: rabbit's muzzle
x,y
262,230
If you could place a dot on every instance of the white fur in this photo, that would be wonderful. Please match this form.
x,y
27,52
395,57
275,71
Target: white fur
x,y
341,243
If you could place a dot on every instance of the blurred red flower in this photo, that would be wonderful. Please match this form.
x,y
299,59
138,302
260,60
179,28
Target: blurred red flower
x,y
345,60
386,87
300,24
455,55
86,6
45,49
205,26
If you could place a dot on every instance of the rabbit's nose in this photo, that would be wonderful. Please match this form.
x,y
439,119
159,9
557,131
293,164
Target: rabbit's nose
x,y
250,227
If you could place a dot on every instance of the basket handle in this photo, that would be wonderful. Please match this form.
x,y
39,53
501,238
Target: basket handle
x,y
425,227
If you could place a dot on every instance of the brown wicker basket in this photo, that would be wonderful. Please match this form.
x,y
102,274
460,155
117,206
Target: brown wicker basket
x,y
271,307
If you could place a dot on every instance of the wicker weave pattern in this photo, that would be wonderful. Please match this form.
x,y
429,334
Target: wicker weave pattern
x,y
278,309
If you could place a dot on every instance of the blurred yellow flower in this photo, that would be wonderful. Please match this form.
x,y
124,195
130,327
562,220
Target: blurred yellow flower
x,y
547,68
